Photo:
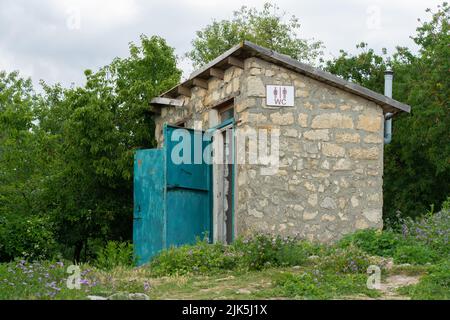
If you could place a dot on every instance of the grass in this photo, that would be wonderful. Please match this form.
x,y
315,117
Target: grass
x,y
261,267
313,280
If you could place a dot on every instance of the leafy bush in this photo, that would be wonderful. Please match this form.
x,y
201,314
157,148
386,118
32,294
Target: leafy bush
x,y
30,237
319,284
253,253
432,230
261,250
21,279
199,258
115,254
373,242
434,285
414,254
408,241
348,260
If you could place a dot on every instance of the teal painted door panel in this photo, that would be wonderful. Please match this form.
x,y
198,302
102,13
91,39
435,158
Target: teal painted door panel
x,y
149,213
187,216
172,201
188,186
185,165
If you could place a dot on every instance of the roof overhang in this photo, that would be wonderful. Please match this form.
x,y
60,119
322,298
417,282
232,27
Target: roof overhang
x,y
246,49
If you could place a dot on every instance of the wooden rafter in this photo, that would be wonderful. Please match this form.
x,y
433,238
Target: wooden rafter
x,y
166,102
200,83
236,62
184,91
217,73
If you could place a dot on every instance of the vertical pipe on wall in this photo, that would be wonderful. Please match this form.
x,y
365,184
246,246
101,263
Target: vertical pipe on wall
x,y
388,78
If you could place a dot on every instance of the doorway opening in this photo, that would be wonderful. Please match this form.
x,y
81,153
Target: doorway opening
x,y
223,176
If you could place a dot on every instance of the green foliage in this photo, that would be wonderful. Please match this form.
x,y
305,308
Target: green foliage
x,y
266,27
31,238
432,286
42,280
23,230
261,251
420,241
115,254
417,162
254,253
199,258
433,230
93,131
319,284
414,254
348,260
373,242
367,68
67,154
417,169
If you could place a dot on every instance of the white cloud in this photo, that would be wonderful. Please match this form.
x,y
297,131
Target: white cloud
x,y
56,40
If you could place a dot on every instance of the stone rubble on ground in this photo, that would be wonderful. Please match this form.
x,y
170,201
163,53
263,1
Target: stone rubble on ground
x,y
121,296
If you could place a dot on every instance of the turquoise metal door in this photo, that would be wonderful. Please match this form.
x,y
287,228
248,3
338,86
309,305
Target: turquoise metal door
x,y
149,211
172,199
188,197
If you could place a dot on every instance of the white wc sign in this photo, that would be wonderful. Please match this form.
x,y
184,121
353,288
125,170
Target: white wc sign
x,y
280,96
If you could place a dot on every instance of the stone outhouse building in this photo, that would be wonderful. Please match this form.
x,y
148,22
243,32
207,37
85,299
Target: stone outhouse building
x,y
331,135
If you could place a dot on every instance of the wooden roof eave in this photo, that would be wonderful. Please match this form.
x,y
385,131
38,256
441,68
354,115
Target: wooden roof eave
x,y
247,49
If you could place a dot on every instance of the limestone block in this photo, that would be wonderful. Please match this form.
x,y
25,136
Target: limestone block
x,y
342,165
269,73
364,154
312,199
255,213
354,201
344,137
333,150
321,134
303,120
293,133
369,123
373,138
328,203
327,217
310,215
373,215
327,106
332,120
244,104
299,93
255,87
255,71
282,119
361,224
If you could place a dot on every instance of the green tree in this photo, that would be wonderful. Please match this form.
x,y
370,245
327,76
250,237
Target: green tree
x,y
24,230
417,162
417,170
266,27
366,68
96,129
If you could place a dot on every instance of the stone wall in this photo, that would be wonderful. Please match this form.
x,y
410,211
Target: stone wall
x,y
196,108
329,182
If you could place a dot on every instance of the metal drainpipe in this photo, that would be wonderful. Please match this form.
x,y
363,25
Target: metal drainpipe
x,y
388,77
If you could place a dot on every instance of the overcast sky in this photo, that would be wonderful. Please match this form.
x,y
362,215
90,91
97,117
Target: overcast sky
x,y
55,40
